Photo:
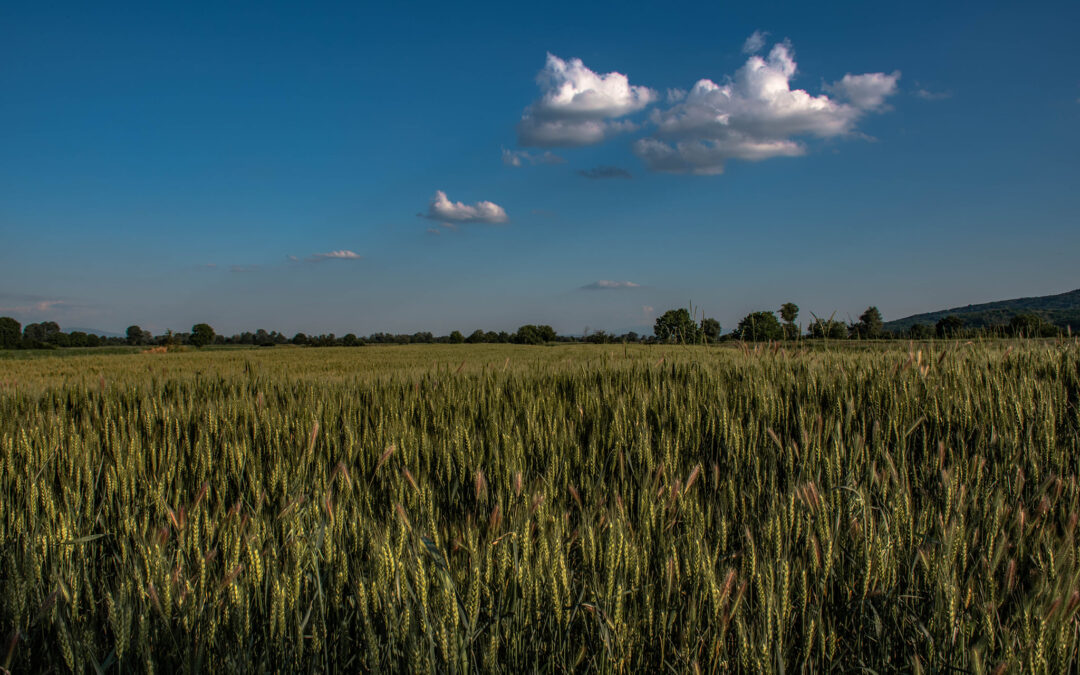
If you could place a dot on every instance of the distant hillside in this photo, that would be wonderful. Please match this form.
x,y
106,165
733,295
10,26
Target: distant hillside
x,y
1062,310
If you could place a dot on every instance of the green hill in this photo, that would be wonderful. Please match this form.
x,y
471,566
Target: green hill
x,y
1061,310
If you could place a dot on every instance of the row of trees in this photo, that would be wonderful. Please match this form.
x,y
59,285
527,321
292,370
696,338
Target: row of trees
x,y
47,335
676,325
673,326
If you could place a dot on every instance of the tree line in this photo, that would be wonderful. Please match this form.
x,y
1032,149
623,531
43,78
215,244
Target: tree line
x,y
677,325
673,326
47,335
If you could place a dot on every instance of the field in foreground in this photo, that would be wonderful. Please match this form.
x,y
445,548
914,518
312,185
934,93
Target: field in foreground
x,y
462,508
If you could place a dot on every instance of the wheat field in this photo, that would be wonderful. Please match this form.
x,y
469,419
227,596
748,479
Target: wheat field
x,y
505,509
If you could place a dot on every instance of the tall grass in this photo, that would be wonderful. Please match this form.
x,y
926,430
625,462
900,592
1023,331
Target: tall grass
x,y
510,508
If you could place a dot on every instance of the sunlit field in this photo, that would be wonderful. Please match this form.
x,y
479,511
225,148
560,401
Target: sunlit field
x,y
508,508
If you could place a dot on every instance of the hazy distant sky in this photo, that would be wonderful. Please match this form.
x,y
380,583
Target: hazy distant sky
x,y
403,166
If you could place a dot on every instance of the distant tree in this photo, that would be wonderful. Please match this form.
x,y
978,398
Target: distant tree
x,y
46,332
10,333
949,326
201,335
34,333
422,337
632,337
530,334
1030,325
262,338
77,338
828,328
676,325
456,337
869,326
598,337
710,328
789,311
527,335
476,337
300,339
134,335
920,331
759,326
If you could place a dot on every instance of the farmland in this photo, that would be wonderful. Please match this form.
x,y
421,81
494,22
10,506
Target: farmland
x,y
485,508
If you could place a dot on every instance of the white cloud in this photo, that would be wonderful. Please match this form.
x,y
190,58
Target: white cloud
x,y
578,106
754,43
523,157
605,285
443,209
756,115
335,255
866,92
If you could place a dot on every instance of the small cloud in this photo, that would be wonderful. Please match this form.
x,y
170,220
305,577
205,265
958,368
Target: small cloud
x,y
441,208
292,258
755,42
602,172
208,266
928,95
334,255
866,92
35,305
434,230
605,285
518,158
243,269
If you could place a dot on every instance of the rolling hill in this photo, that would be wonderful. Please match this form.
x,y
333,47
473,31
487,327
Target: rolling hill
x,y
1062,310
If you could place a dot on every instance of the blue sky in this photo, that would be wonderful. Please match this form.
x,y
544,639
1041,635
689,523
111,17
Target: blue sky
x,y
343,168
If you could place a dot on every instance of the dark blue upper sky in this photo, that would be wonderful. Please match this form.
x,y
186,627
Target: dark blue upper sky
x,y
437,167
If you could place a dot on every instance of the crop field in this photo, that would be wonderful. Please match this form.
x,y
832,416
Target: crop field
x,y
570,508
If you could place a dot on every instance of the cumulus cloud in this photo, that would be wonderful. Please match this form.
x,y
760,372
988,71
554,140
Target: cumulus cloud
x,y
522,157
756,115
441,208
578,106
335,255
754,43
605,285
601,172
